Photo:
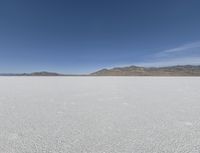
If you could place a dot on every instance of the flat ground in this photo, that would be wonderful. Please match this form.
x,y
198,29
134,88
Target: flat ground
x,y
99,114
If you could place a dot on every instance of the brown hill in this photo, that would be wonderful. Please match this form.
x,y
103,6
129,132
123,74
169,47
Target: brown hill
x,y
185,70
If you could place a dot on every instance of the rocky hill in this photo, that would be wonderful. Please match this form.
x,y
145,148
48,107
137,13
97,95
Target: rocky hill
x,y
185,70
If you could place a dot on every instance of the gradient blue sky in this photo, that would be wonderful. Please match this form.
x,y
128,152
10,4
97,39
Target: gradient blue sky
x,y
81,36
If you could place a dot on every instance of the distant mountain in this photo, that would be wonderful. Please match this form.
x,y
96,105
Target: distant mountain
x,y
179,70
43,73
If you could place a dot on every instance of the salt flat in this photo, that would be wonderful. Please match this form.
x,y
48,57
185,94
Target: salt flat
x,y
99,114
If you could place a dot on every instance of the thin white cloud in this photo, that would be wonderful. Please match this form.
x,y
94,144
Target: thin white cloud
x,y
187,54
183,47
171,62
186,48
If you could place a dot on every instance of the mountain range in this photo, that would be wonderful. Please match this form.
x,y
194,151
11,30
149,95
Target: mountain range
x,y
179,70
42,73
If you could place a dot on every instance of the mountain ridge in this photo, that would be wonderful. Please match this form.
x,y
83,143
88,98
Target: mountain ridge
x,y
177,70
41,73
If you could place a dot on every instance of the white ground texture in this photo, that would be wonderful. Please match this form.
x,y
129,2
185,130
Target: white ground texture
x,y
99,115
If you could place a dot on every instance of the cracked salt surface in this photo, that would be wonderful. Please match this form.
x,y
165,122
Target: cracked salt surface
x,y
99,114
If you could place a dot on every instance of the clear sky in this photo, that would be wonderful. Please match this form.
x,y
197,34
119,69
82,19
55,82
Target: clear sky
x,y
81,36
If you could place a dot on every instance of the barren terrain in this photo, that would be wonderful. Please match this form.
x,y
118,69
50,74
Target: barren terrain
x,y
99,114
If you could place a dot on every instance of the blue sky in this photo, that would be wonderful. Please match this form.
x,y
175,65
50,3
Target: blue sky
x,y
81,36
